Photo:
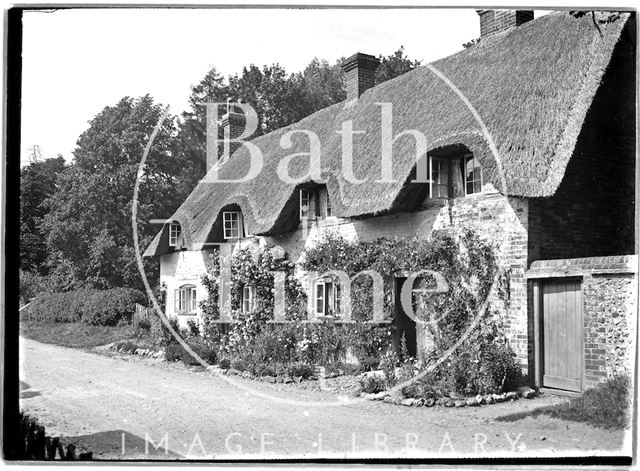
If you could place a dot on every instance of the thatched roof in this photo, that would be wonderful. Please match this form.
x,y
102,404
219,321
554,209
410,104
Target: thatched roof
x,y
532,87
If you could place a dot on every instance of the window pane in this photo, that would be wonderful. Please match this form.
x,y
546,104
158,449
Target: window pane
x,y
440,178
330,300
231,224
320,298
194,301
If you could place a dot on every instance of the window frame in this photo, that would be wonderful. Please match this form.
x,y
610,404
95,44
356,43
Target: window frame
x,y
238,223
433,183
330,297
318,204
175,232
248,298
185,299
465,159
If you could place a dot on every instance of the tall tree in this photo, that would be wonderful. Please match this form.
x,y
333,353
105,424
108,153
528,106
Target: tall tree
x,y
89,229
37,184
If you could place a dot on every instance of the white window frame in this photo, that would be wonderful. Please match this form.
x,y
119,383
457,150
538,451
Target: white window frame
x,y
327,204
175,232
185,299
319,296
248,298
307,203
317,202
326,291
228,232
464,174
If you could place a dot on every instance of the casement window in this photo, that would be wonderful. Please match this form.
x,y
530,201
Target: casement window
x,y
327,297
185,300
472,173
314,203
174,234
439,178
248,297
455,177
232,224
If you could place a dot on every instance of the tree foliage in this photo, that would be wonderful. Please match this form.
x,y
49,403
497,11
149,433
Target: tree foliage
x,y
394,65
37,184
75,222
89,230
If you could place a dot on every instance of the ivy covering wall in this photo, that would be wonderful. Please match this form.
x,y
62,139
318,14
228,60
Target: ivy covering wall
x,y
472,306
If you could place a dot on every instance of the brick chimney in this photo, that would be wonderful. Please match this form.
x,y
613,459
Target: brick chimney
x,y
494,21
232,124
359,71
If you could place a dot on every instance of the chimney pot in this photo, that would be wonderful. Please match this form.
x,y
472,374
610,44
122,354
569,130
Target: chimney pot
x,y
359,70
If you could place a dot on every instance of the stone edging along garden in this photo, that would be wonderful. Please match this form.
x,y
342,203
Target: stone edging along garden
x,y
475,401
396,399
384,396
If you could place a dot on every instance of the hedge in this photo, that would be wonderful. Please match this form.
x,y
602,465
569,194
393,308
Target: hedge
x,y
94,307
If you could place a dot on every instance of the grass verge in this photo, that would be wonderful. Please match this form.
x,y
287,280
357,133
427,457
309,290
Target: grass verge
x,y
74,334
605,405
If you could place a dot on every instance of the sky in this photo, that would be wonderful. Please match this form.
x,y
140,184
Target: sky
x,y
76,62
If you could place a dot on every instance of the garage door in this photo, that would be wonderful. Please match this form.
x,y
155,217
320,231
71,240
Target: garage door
x,y
562,334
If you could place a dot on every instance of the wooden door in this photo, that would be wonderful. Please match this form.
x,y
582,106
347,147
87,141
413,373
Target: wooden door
x,y
562,334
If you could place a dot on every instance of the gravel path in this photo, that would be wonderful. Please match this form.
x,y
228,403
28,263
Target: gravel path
x,y
101,403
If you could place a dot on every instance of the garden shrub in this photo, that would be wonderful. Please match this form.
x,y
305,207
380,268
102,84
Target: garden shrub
x,y
176,352
300,370
238,364
482,363
93,307
58,307
126,346
373,384
110,307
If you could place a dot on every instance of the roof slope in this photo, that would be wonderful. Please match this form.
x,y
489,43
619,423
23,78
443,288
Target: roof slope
x,y
531,86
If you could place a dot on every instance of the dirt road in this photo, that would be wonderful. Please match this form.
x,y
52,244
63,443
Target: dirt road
x,y
133,408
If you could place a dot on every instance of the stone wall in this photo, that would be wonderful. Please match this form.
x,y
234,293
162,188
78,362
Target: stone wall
x,y
609,314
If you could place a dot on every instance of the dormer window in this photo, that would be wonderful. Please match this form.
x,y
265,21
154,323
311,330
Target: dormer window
x,y
439,178
174,234
314,203
472,173
232,224
455,177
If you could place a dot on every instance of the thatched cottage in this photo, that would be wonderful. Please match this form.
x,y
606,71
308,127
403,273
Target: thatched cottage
x,y
554,95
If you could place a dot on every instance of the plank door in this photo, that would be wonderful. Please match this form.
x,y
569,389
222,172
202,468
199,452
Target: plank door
x,y
562,334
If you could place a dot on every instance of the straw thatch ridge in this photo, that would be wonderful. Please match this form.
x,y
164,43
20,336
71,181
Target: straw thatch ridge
x,y
531,86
